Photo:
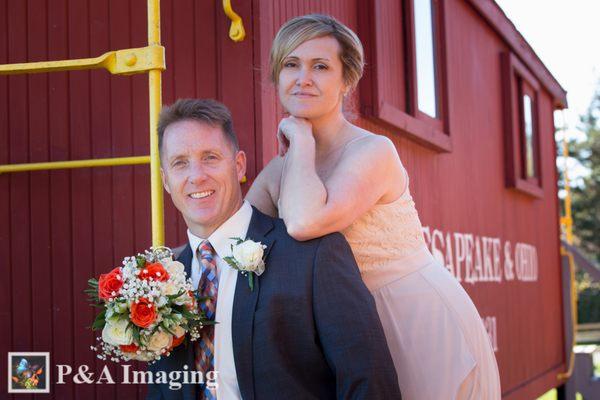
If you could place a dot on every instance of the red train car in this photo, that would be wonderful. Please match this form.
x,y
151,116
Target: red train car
x,y
465,99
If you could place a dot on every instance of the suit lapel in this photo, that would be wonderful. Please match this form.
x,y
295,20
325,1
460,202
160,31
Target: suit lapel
x,y
186,354
185,257
244,304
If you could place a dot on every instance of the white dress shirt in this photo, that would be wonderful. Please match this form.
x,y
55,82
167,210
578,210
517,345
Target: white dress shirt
x,y
235,226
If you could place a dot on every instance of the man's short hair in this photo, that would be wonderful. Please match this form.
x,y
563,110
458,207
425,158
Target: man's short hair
x,y
208,111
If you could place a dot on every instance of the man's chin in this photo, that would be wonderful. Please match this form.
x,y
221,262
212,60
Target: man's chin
x,y
201,222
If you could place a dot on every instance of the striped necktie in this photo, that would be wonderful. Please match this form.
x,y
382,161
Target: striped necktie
x,y
207,287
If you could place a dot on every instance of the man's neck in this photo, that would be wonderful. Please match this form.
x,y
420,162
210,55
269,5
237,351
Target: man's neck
x,y
204,231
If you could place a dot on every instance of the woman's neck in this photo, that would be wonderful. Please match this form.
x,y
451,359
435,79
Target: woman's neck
x,y
328,132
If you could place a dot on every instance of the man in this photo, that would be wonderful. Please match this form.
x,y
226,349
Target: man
x,y
307,329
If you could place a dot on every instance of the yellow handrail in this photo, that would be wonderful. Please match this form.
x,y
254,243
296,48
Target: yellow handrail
x,y
99,162
567,224
566,375
236,30
155,103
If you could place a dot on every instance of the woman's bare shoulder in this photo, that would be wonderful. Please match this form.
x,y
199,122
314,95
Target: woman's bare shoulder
x,y
382,165
274,167
371,144
271,173
270,177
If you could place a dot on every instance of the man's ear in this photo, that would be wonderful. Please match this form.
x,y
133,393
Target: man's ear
x,y
240,164
164,180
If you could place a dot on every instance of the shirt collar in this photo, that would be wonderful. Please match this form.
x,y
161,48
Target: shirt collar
x,y
236,226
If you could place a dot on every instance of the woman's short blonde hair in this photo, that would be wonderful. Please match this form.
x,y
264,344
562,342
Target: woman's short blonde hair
x,y
301,29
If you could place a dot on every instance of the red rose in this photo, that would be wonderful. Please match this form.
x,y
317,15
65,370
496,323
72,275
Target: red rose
x,y
143,313
109,283
155,271
129,348
192,305
177,341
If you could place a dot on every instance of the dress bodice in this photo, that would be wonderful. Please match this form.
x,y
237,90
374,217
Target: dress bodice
x,y
385,234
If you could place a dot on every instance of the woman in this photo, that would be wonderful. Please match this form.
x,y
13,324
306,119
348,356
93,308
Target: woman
x,y
334,176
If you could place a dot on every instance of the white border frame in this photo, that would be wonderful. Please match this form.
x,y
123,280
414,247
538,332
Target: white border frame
x,y
25,354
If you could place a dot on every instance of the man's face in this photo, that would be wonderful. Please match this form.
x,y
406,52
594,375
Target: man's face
x,y
201,171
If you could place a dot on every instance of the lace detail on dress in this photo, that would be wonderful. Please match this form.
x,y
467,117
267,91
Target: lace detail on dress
x,y
386,233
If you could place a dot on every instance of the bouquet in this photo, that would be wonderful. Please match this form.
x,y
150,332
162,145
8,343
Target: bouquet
x,y
147,307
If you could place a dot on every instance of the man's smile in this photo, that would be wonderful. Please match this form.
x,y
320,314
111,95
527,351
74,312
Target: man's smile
x,y
201,195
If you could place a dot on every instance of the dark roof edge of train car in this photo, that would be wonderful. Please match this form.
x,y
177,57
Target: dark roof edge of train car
x,y
504,27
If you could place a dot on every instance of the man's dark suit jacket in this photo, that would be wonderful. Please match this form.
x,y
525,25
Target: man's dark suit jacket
x,y
309,330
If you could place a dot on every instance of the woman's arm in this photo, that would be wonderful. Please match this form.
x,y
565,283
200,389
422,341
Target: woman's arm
x,y
260,194
368,170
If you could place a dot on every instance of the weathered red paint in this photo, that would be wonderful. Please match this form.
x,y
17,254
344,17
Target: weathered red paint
x,y
59,228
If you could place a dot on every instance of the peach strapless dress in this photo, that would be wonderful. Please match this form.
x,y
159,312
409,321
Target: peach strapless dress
x,y
438,342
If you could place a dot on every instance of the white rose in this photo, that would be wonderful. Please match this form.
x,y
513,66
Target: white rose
x,y
159,340
143,356
183,299
116,333
178,331
249,256
170,289
174,268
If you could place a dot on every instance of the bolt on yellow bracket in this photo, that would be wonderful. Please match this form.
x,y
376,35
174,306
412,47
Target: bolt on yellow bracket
x,y
236,30
118,62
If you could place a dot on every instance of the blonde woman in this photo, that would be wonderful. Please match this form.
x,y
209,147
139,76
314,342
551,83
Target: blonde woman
x,y
330,176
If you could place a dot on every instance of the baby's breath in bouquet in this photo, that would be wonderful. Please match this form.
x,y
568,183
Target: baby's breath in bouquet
x,y
147,307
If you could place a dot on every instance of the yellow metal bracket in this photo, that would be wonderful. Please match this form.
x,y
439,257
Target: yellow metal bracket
x,y
236,30
118,62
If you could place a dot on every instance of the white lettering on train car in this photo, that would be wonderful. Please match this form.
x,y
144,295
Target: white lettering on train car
x,y
472,259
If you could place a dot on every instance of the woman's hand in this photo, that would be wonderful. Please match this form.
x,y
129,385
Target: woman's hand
x,y
290,128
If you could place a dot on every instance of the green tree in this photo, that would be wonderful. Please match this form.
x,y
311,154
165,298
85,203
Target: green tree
x,y
586,198
585,208
588,299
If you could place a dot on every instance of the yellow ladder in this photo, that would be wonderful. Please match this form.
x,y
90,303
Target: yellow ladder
x,y
149,59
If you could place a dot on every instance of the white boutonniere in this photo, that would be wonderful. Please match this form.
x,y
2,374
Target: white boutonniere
x,y
247,257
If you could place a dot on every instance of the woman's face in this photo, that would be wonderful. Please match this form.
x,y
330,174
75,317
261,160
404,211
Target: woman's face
x,y
311,82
